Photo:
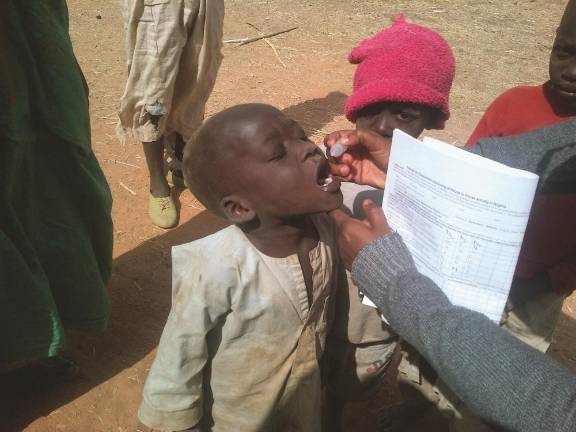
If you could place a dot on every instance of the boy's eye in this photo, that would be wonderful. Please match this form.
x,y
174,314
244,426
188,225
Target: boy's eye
x,y
278,156
301,134
407,116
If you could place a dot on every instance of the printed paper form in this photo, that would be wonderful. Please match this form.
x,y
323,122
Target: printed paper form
x,y
462,216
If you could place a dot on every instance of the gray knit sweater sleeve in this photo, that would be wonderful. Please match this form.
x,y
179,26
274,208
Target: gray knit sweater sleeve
x,y
549,152
501,379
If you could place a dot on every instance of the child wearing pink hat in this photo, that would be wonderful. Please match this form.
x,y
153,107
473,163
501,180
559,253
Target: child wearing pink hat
x,y
403,81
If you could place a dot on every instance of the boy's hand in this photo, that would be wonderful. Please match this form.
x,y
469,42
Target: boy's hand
x,y
366,159
355,234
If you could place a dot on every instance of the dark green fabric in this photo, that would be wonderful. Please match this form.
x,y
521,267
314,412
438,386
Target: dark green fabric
x,y
55,223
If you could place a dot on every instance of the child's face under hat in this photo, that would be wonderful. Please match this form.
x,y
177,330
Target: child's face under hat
x,y
405,63
278,171
383,117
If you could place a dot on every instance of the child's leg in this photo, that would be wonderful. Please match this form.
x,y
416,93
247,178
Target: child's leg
x,y
154,152
533,316
460,418
359,355
174,146
422,388
161,207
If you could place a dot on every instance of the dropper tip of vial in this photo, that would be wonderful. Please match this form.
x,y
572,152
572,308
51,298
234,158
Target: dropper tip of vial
x,y
337,150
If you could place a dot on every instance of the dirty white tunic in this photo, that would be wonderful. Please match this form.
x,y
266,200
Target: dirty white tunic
x,y
242,346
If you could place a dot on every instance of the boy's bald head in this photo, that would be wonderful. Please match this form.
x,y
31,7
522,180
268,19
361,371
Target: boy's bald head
x,y
254,166
210,154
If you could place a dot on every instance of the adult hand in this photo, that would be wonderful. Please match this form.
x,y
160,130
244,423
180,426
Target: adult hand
x,y
355,234
366,159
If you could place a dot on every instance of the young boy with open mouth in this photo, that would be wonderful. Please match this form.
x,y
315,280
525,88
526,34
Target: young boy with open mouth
x,y
252,303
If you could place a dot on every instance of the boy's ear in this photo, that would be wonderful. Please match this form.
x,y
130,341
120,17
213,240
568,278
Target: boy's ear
x,y
236,209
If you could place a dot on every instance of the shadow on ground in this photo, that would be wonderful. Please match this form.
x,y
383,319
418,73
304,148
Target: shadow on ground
x,y
140,302
314,114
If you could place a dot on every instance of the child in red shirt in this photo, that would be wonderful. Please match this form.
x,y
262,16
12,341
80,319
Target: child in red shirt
x,y
546,270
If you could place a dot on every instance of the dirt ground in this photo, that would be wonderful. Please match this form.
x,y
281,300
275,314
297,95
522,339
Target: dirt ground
x,y
498,44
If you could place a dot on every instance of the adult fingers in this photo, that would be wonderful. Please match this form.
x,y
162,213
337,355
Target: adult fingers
x,y
342,136
340,170
339,217
375,216
371,141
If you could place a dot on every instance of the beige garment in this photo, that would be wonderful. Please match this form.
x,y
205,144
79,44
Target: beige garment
x,y
241,346
363,345
360,348
174,52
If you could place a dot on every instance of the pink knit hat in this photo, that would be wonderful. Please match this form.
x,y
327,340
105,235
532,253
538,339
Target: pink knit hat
x,y
404,63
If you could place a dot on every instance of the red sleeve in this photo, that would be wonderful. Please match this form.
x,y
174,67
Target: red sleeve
x,y
563,277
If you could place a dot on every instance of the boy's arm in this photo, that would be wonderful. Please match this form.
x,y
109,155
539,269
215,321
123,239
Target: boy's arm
x,y
173,393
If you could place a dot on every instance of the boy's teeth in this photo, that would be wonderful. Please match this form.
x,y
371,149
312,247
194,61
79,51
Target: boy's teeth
x,y
327,181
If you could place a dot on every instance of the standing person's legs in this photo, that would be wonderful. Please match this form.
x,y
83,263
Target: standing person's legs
x,y
161,208
174,150
154,153
155,36
174,52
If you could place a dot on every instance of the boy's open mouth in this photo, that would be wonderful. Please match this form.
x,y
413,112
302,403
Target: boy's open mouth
x,y
324,179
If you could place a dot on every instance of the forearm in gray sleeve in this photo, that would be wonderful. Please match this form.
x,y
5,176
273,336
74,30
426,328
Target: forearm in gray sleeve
x,y
501,379
541,151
